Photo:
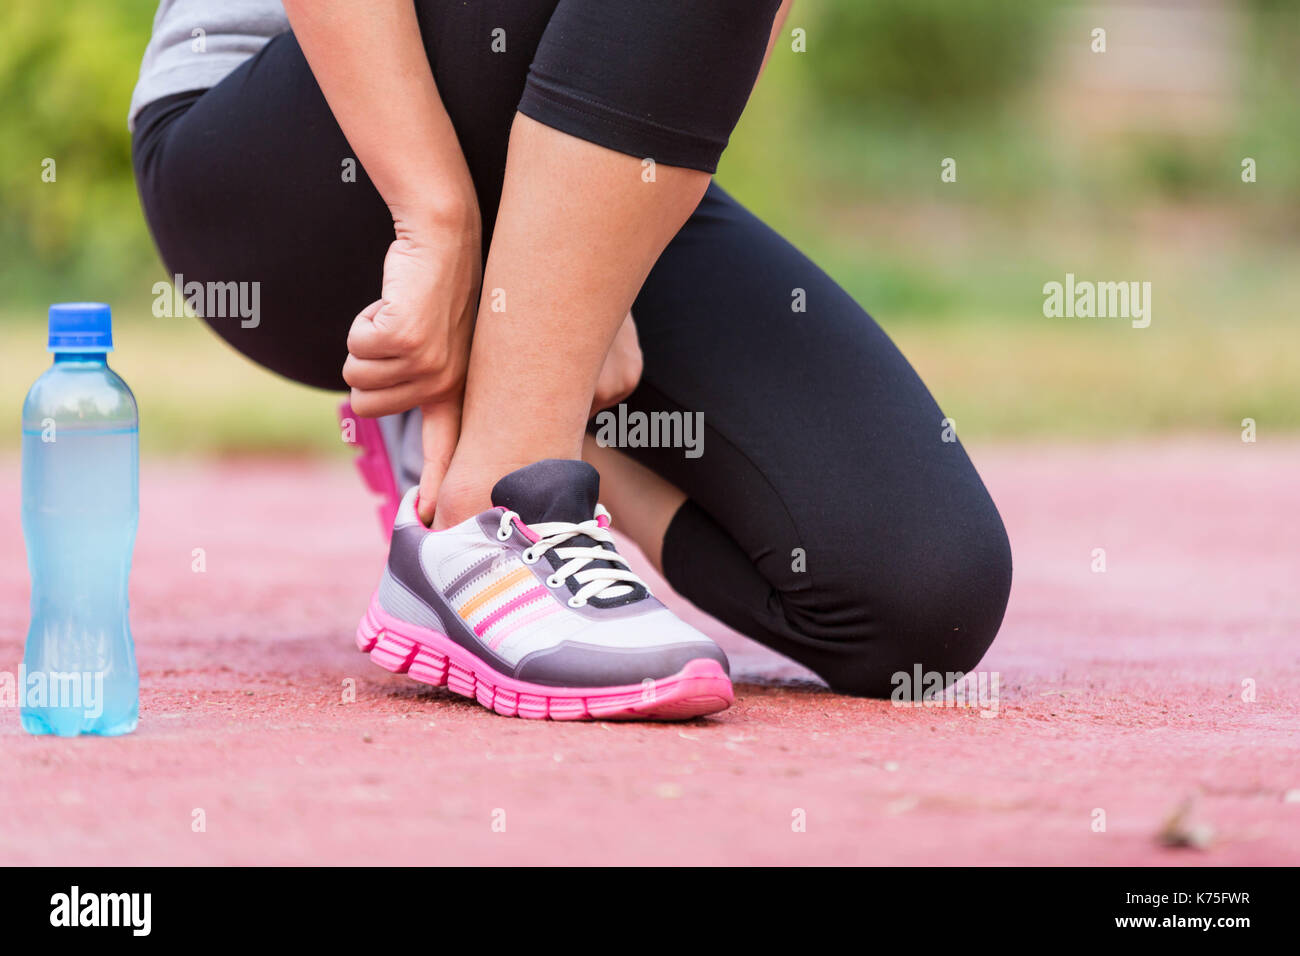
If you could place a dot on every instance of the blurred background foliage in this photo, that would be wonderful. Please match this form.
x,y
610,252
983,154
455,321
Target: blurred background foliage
x,y
66,75
1117,165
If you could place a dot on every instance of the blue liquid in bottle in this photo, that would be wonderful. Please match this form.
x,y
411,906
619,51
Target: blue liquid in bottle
x,y
80,509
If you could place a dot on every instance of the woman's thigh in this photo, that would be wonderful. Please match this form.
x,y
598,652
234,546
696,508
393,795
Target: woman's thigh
x,y
832,513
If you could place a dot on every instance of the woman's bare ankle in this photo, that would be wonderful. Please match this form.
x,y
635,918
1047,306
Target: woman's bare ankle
x,y
465,492
467,488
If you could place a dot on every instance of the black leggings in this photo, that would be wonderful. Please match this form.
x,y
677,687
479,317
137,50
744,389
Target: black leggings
x,y
827,517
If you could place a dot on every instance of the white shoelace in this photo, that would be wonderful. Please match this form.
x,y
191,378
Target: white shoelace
x,y
607,582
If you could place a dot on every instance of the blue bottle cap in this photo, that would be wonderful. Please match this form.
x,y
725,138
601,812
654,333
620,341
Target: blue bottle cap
x,y
81,327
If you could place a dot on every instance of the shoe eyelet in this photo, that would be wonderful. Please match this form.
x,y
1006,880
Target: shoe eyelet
x,y
529,557
503,534
575,603
554,582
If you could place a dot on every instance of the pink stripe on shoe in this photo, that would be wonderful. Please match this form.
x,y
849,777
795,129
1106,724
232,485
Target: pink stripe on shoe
x,y
528,597
550,607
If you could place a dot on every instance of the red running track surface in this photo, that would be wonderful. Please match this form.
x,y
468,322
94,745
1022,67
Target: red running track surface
x,y
1119,692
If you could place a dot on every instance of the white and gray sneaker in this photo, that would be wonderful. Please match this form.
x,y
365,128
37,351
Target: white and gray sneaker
x,y
529,609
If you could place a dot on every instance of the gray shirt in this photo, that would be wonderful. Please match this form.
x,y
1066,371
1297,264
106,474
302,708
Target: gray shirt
x,y
196,43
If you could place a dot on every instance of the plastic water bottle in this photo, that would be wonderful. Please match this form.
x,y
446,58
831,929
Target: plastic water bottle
x,y
81,504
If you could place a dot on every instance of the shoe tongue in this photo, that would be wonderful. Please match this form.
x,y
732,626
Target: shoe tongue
x,y
555,489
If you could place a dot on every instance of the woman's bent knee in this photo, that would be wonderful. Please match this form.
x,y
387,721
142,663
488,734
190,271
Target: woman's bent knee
x,y
933,611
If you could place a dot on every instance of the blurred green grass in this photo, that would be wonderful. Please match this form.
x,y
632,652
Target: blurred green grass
x,y
840,151
1058,379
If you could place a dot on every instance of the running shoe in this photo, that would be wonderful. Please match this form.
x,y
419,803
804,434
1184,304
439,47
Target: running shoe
x,y
529,609
390,456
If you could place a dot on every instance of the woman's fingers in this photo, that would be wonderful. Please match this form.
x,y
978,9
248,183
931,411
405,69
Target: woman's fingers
x,y
389,401
370,338
621,372
374,374
440,431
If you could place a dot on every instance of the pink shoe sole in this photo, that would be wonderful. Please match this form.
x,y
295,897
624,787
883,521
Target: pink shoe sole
x,y
373,464
701,687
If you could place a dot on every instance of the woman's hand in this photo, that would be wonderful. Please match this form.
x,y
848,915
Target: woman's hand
x,y
410,348
621,373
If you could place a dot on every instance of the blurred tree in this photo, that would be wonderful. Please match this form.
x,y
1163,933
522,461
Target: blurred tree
x,y
940,55
66,75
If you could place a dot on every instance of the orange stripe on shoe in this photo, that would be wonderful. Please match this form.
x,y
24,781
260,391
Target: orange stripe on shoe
x,y
505,584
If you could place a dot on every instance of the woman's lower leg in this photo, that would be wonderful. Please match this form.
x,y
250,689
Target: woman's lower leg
x,y
578,230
